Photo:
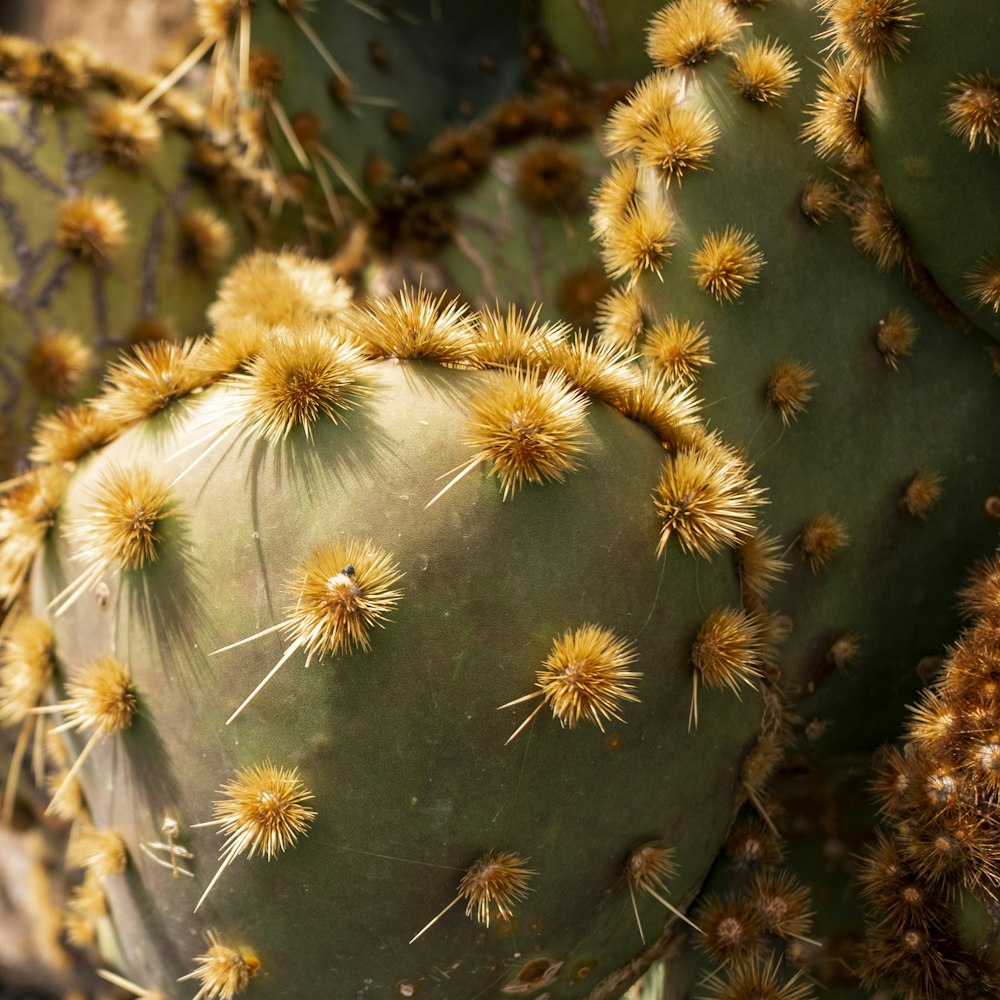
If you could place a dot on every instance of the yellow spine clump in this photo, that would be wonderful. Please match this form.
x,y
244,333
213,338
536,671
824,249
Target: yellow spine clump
x,y
205,240
726,652
299,378
585,676
415,324
261,811
646,871
126,133
895,336
529,430
707,498
869,31
621,317
687,32
641,113
91,227
615,196
222,971
678,349
760,564
921,493
680,141
835,121
57,363
877,233
974,110
984,283
789,388
668,409
493,883
25,667
640,240
550,179
101,852
818,200
821,537
726,263
69,434
764,71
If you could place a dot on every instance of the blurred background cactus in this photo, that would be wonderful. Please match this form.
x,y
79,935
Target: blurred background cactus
x,y
628,368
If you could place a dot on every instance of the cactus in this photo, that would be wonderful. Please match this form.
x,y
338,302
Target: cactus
x,y
106,208
931,118
835,379
528,583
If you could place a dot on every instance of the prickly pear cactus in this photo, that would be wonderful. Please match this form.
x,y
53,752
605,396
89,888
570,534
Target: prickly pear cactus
x,y
362,635
738,269
105,208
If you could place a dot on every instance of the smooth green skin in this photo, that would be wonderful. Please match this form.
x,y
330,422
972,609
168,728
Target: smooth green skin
x,y
868,428
946,195
507,251
434,74
403,746
99,304
602,39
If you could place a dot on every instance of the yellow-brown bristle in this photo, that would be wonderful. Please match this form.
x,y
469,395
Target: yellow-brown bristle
x,y
821,537
262,810
585,676
935,726
789,388
706,496
147,379
678,349
223,972
139,992
844,650
752,977
752,845
727,650
687,32
895,336
300,377
91,227
732,928
57,363
264,72
760,564
621,317
494,883
980,597
974,110
922,492
100,698
764,71
515,339
616,195
877,233
25,667
87,901
725,263
529,430
282,289
646,871
835,124
984,283
415,324
340,593
818,200
101,852
27,511
678,142
869,31
126,133
599,369
205,240
233,346
214,18
666,408
69,434
56,74
783,904
121,526
641,113
550,178
640,240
